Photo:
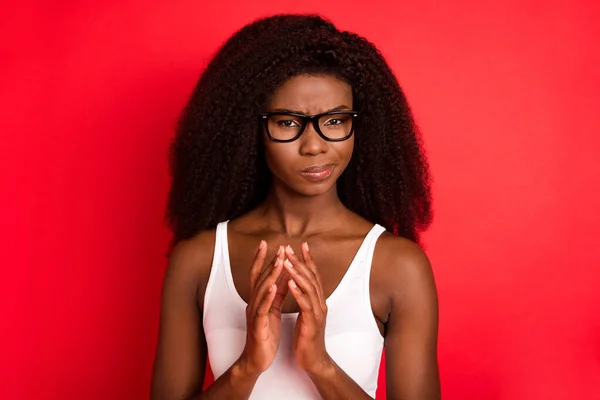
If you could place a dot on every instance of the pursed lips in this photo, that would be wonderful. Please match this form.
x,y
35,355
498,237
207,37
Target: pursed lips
x,y
317,173
318,168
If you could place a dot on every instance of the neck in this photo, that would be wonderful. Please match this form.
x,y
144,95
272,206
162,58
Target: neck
x,y
300,216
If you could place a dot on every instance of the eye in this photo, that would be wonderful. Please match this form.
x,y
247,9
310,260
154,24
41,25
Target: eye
x,y
287,123
336,121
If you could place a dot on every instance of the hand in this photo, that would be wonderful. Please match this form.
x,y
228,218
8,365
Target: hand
x,y
263,313
309,336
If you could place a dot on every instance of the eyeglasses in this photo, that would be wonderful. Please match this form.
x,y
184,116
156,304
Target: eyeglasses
x,y
333,126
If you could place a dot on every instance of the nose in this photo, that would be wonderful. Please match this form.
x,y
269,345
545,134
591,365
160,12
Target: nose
x,y
311,144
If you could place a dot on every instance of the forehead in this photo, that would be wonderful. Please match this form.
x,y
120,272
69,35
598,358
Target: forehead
x,y
312,94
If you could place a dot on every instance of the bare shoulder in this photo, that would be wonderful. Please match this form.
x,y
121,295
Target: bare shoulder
x,y
400,267
190,262
400,255
192,253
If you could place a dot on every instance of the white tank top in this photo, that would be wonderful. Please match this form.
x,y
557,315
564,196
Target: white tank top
x,y
352,337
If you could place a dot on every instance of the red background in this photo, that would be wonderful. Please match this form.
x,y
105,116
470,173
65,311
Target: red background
x,y
506,93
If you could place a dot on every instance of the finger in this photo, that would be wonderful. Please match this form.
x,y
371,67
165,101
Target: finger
x,y
303,300
307,274
283,278
282,291
260,317
259,260
263,288
308,288
265,305
267,270
307,257
296,262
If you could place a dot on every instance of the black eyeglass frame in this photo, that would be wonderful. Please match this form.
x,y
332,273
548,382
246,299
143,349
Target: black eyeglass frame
x,y
306,119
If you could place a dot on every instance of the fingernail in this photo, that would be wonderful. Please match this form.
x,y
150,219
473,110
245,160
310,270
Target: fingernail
x,y
293,284
289,249
262,244
306,246
288,263
277,262
272,288
279,251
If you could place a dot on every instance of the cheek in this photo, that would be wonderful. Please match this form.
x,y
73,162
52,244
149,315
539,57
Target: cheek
x,y
346,149
351,145
278,156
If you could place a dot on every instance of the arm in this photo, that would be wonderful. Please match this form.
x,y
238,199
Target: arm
x,y
412,326
407,280
180,361
404,280
181,353
333,383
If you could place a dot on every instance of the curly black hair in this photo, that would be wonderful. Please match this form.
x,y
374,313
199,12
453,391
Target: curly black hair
x,y
216,158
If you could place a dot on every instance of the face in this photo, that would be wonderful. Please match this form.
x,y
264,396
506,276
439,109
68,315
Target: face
x,y
309,165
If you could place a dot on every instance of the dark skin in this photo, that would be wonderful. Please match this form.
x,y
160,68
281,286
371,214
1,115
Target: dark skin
x,y
323,237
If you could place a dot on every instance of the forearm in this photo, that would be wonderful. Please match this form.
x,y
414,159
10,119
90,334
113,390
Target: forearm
x,y
236,383
333,383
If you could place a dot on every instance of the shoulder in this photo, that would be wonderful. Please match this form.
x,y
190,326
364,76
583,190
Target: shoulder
x,y
400,255
190,262
190,253
401,268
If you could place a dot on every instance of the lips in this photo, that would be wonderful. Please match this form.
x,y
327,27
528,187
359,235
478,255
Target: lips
x,y
317,168
317,172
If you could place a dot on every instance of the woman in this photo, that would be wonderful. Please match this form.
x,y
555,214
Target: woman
x,y
299,190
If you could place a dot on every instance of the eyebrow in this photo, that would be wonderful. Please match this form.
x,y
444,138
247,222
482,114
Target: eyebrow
x,y
287,110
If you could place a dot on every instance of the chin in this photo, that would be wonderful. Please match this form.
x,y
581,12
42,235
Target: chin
x,y
314,189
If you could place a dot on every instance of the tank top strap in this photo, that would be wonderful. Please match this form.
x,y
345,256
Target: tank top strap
x,y
370,243
217,278
358,270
